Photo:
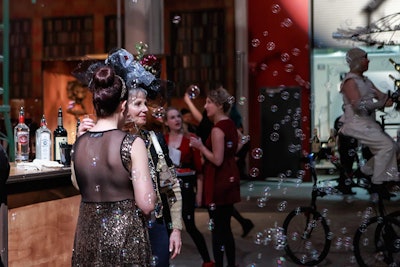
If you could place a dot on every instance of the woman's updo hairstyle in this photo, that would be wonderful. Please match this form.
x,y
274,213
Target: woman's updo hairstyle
x,y
108,90
221,97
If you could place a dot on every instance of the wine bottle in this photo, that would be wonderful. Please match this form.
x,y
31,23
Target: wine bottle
x,y
21,138
396,81
60,136
396,65
43,141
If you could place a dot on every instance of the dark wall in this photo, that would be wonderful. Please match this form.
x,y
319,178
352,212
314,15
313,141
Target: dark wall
x,y
279,56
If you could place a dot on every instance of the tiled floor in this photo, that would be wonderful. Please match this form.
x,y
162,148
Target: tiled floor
x,y
343,216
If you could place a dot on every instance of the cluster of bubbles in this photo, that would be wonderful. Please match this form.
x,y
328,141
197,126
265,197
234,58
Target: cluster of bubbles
x,y
158,112
274,235
291,118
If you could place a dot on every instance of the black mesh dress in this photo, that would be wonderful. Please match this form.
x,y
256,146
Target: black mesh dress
x,y
111,230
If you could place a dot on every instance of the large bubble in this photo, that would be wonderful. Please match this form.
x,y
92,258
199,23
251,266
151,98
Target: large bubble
x,y
193,91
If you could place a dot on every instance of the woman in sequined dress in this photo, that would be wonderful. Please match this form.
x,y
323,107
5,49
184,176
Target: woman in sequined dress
x,y
165,228
166,223
110,168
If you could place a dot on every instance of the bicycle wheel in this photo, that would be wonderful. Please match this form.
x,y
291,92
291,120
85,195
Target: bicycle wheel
x,y
308,238
377,242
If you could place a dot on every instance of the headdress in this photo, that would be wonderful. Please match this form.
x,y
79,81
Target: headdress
x,y
142,71
129,69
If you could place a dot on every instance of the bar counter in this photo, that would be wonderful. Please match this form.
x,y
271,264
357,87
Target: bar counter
x,y
42,211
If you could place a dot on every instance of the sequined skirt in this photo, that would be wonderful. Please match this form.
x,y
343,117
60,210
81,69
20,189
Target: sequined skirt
x,y
111,234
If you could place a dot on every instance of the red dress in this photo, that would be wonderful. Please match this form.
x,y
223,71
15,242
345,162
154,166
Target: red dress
x,y
222,183
190,157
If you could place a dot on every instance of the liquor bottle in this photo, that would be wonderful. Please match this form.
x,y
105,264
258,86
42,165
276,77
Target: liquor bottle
x,y
315,142
396,82
60,136
21,138
43,141
78,122
395,65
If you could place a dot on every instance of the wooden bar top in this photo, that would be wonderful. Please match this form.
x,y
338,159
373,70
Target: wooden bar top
x,y
19,174
30,186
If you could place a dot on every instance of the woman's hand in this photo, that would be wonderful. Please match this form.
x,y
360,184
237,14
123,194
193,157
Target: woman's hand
x,y
175,243
85,125
187,99
195,142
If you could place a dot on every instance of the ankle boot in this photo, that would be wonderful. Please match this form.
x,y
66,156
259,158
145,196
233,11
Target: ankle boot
x,y
247,227
208,264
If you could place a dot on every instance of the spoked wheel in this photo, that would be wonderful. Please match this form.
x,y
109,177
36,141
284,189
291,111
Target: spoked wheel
x,y
308,238
377,243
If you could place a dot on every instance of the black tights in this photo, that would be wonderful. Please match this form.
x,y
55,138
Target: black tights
x,y
188,191
222,236
347,149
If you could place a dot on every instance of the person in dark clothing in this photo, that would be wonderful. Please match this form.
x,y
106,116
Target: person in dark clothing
x,y
347,147
4,174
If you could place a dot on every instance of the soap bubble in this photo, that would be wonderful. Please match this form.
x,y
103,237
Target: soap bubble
x,y
244,139
282,206
285,95
260,98
153,260
270,46
176,19
274,136
285,57
158,112
286,23
275,8
263,66
242,100
276,126
289,68
257,153
296,52
255,42
193,91
231,100
261,202
254,172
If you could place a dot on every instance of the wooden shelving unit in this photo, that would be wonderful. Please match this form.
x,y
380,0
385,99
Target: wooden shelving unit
x,y
20,49
111,32
198,53
65,37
